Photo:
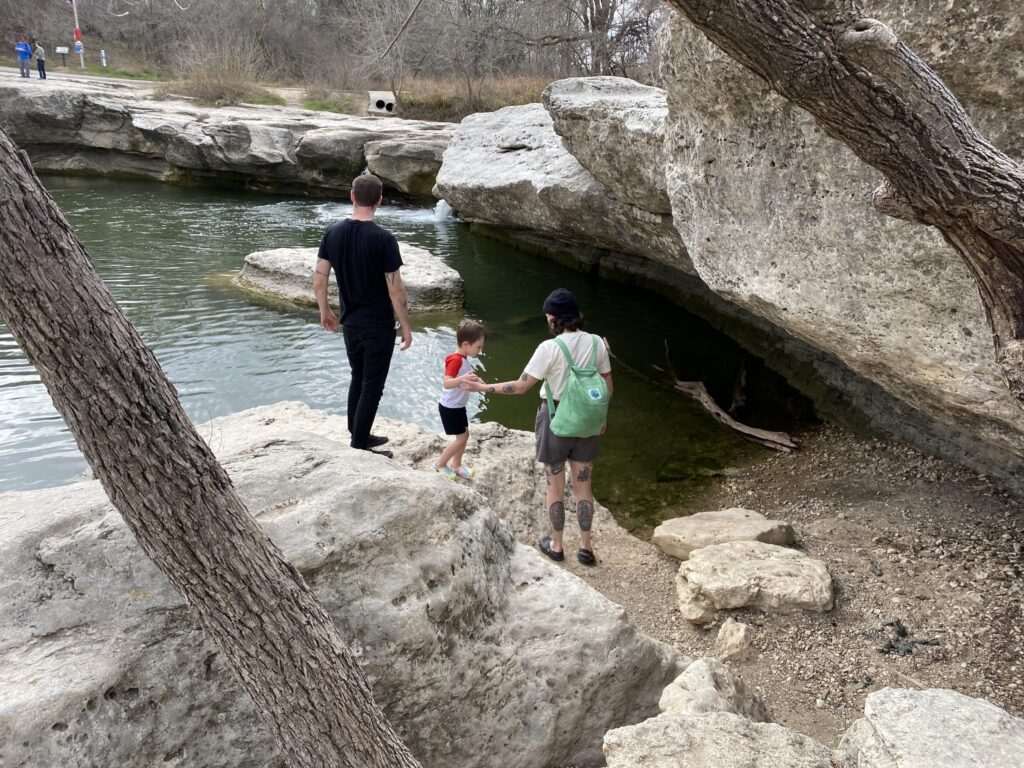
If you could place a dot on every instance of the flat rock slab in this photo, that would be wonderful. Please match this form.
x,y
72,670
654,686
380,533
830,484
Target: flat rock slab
x,y
93,129
934,727
287,273
681,535
749,573
719,740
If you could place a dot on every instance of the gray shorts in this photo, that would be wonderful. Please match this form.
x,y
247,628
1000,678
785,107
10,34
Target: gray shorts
x,y
552,449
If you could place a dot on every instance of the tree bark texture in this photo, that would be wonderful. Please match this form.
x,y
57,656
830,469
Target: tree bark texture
x,y
868,90
174,495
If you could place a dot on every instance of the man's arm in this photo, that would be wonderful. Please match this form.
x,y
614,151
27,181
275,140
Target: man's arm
x,y
327,317
400,301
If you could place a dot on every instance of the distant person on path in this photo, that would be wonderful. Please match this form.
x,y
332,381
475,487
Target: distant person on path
x,y
24,55
41,60
366,263
458,376
549,365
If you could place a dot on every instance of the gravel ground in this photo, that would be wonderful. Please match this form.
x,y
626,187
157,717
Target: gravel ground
x,y
905,537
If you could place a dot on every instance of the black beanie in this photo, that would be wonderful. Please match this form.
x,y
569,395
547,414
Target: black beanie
x,y
561,303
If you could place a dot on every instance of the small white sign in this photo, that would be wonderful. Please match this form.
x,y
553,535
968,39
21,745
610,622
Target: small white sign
x,y
61,49
78,46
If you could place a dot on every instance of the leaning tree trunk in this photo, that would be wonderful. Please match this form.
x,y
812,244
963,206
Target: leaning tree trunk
x,y
871,92
173,494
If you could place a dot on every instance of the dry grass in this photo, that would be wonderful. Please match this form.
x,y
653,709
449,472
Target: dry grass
x,y
221,72
450,101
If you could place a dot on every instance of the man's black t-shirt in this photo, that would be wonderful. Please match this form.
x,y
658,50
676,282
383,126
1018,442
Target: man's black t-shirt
x,y
361,253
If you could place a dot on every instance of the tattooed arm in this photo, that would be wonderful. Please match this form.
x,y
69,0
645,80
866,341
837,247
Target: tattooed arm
x,y
327,317
400,301
518,387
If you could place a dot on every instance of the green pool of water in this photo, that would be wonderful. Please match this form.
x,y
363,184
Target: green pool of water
x,y
156,247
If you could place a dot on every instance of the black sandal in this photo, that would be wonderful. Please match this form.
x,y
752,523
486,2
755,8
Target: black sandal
x,y
586,556
545,547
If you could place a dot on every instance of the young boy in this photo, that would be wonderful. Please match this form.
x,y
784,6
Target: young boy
x,y
455,394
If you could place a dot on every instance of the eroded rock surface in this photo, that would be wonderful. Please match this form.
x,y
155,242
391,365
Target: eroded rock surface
x,y
287,273
681,535
922,729
719,740
615,127
708,685
777,219
749,573
101,131
510,169
454,623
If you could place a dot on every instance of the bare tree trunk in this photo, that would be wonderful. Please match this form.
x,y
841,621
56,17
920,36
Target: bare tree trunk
x,y
871,92
173,494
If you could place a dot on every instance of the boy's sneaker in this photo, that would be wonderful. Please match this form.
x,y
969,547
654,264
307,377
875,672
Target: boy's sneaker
x,y
446,471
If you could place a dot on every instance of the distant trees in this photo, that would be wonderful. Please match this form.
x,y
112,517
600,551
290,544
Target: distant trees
x,y
339,42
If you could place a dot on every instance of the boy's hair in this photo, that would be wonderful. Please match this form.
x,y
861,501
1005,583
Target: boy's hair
x,y
469,332
367,189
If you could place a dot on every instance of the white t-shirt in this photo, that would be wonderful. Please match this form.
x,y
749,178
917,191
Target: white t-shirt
x,y
548,362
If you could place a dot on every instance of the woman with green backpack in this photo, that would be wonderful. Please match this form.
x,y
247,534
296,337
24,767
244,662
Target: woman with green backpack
x,y
576,372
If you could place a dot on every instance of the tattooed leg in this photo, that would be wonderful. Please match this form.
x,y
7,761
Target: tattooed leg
x,y
555,502
582,474
556,514
585,512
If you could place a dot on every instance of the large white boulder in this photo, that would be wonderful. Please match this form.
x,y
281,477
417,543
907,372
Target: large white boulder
x,y
479,651
719,740
287,273
615,127
510,169
777,218
749,573
681,535
93,129
934,727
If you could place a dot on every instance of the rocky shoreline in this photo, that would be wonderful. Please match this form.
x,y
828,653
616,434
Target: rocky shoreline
x,y
905,536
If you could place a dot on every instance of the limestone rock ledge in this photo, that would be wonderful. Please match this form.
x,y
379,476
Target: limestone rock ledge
x,y
777,219
510,169
287,273
96,131
455,624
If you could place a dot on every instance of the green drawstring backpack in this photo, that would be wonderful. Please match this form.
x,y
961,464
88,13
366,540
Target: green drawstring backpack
x,y
583,409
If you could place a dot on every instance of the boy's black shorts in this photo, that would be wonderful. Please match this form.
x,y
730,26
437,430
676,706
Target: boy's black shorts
x,y
454,420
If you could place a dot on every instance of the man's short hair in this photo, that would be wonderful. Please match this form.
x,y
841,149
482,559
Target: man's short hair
x,y
469,332
367,189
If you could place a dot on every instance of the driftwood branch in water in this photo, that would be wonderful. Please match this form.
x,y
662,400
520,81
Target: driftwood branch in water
x,y
778,441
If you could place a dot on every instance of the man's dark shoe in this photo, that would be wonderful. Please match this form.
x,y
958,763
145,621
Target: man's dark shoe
x,y
545,547
376,441
586,557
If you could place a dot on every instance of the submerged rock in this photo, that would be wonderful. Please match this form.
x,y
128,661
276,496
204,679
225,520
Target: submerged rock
x,y
934,727
479,651
287,273
100,131
679,536
749,573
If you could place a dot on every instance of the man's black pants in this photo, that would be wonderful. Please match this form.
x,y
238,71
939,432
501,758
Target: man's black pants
x,y
369,356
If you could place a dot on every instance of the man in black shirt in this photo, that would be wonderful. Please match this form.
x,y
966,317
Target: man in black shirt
x,y
367,266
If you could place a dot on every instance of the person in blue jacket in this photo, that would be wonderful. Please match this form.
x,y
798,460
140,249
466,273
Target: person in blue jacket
x,y
24,55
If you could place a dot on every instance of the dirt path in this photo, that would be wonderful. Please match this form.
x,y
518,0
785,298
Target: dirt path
x,y
904,536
